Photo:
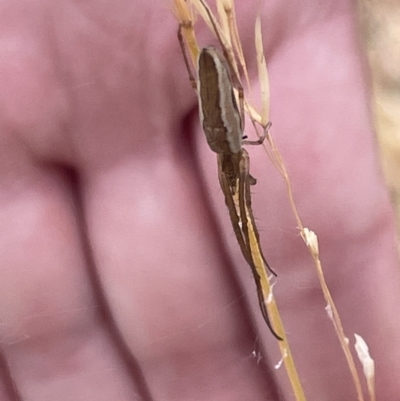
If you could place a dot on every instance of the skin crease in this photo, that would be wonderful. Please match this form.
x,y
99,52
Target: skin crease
x,y
120,276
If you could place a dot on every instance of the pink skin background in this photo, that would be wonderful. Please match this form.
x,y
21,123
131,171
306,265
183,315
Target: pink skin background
x,y
120,276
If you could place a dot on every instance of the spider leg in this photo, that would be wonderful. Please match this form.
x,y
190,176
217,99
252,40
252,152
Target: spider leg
x,y
246,214
247,181
235,219
260,140
264,311
185,57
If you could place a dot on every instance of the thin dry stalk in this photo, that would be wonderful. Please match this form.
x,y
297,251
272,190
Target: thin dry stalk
x,y
276,319
227,8
226,31
185,17
309,237
262,75
225,27
311,241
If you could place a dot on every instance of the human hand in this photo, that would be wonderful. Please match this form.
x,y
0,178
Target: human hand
x,y
119,266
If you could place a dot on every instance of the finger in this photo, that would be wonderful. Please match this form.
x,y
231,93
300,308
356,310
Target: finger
x,y
54,340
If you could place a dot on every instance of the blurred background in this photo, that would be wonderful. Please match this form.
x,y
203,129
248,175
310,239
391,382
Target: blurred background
x,y
380,25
